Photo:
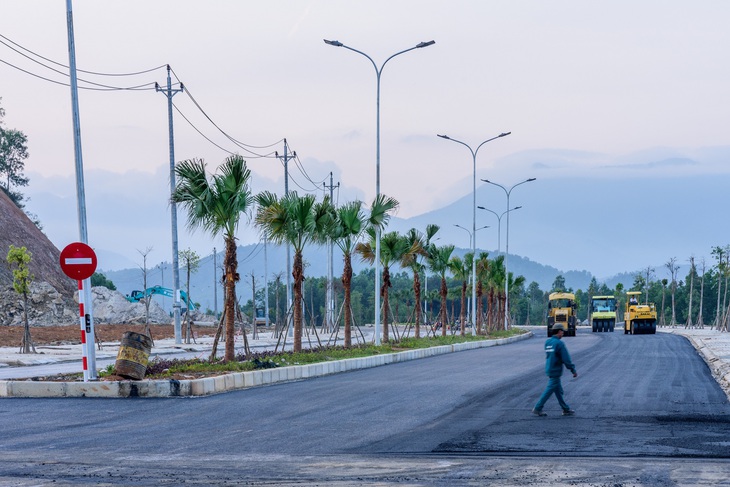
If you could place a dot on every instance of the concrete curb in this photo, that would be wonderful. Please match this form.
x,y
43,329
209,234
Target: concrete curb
x,y
229,382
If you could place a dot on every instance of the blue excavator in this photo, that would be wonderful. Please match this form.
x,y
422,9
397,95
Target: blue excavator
x,y
136,296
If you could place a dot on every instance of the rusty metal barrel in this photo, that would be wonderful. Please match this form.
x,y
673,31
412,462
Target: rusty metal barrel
x,y
134,352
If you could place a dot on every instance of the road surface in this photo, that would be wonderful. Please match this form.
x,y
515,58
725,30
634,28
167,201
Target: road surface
x,y
648,413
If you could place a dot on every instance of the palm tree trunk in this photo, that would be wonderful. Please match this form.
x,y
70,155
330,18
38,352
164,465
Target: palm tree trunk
x,y
444,293
417,293
231,265
490,310
480,308
462,315
298,274
386,307
347,283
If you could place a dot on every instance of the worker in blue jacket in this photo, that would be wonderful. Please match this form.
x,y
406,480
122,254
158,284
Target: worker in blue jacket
x,y
556,356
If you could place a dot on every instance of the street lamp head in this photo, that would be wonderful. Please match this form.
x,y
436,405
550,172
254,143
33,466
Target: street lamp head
x,y
504,134
443,136
333,43
425,44
487,181
516,207
531,179
481,207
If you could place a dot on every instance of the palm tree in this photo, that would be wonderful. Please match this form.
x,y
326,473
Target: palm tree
x,y
392,249
482,277
461,269
515,285
216,206
296,220
495,286
419,243
349,223
438,261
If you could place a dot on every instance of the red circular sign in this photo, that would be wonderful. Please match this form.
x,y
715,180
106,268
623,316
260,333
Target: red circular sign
x,y
78,261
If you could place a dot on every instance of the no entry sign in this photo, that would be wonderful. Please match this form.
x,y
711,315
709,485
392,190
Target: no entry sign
x,y
78,261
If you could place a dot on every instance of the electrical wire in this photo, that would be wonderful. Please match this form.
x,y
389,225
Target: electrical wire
x,y
104,87
242,146
198,130
257,248
80,70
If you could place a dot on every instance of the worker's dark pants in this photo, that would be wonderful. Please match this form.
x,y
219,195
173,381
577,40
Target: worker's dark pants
x,y
553,387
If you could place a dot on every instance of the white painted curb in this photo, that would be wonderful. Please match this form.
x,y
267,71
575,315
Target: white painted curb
x,y
229,382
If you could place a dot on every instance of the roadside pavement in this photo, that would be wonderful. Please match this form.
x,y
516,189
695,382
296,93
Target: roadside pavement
x,y
713,346
67,359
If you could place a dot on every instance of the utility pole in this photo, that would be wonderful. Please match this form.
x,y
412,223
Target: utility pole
x,y
330,312
169,93
87,332
285,159
253,300
266,282
215,287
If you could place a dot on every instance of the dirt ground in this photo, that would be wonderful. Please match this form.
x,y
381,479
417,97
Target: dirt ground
x,y
10,336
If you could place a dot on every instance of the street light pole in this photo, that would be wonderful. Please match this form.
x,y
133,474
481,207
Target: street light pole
x,y
506,254
499,223
474,218
473,261
378,72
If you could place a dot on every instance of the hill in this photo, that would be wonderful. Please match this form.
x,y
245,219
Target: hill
x,y
251,259
19,230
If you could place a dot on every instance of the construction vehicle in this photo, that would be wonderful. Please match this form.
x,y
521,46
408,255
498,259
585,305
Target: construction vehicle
x,y
561,309
136,296
639,318
260,319
603,313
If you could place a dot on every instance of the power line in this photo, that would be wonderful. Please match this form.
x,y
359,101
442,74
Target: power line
x,y
241,145
65,66
304,172
104,87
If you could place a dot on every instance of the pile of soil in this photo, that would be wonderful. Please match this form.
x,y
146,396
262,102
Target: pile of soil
x,y
10,336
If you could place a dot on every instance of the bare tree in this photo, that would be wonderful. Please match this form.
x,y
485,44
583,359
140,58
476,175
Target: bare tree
x,y
673,268
191,262
700,322
649,273
719,253
277,280
662,318
147,297
688,323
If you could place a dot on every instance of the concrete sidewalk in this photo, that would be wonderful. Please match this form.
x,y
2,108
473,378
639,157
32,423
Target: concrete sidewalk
x,y
67,359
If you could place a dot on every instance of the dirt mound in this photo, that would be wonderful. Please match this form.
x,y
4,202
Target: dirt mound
x,y
20,231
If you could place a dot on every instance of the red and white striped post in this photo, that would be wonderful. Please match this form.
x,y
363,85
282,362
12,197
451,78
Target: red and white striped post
x,y
78,261
82,322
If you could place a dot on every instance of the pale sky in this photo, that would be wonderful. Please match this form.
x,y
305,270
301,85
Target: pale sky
x,y
603,81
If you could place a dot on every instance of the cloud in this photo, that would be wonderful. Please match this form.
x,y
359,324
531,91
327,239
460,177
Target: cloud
x,y
665,163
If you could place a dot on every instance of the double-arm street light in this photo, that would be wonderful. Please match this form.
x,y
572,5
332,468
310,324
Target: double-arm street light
x,y
378,72
506,253
474,216
473,244
499,223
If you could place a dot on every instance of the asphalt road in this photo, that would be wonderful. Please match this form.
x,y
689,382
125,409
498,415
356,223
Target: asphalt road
x,y
648,413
